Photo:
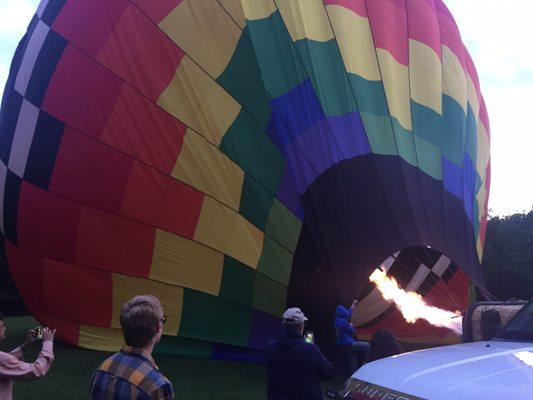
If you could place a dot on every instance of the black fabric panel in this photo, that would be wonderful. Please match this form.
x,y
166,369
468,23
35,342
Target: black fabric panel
x,y
43,150
44,68
11,201
52,11
358,213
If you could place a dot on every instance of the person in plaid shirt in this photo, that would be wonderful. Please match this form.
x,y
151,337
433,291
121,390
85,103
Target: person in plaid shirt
x,y
132,372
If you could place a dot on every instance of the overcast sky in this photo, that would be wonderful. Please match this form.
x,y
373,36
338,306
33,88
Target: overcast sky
x,y
498,35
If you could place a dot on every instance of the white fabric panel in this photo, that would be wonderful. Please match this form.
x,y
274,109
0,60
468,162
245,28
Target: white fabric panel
x,y
420,275
23,137
30,57
441,265
41,8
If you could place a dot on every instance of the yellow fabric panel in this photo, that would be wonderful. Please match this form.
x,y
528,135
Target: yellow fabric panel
x,y
425,75
103,339
184,262
258,9
205,32
472,96
396,83
483,148
199,102
479,248
234,8
229,232
306,19
171,297
354,38
453,77
206,168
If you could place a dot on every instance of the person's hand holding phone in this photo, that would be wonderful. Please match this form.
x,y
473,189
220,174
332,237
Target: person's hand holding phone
x,y
48,334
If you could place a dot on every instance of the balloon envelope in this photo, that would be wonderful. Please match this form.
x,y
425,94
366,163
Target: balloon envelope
x,y
235,158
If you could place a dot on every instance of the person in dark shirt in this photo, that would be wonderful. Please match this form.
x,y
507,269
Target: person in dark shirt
x,y
294,367
356,351
383,344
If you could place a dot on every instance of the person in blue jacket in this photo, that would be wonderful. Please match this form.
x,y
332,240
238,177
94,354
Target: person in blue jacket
x,y
295,367
355,350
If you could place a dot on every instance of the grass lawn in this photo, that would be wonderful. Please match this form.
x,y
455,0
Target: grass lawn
x,y
192,378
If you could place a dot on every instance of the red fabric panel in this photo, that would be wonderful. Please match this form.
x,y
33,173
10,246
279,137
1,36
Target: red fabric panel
x,y
140,128
389,28
139,52
157,10
88,23
357,6
81,92
26,271
113,243
181,209
88,293
424,24
67,331
90,172
145,194
449,32
47,224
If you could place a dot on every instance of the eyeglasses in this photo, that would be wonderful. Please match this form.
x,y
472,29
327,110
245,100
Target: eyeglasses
x,y
163,320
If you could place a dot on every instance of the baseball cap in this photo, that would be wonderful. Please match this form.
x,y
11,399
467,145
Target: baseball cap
x,y
294,314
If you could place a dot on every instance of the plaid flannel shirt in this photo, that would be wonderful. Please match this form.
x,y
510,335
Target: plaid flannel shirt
x,y
130,374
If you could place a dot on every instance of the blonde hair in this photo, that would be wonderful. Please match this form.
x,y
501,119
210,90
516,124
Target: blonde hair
x,y
139,318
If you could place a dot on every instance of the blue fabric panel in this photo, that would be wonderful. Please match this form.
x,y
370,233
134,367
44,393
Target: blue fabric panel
x,y
235,353
9,114
452,177
349,134
469,185
264,327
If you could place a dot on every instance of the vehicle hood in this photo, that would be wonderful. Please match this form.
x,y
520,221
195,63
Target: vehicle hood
x,y
480,370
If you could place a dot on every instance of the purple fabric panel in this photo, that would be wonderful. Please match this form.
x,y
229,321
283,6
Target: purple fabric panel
x,y
288,195
236,353
349,132
265,327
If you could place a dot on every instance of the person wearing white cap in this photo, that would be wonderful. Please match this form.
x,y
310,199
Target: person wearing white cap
x,y
294,367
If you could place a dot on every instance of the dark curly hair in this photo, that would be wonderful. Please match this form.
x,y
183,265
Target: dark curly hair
x,y
383,344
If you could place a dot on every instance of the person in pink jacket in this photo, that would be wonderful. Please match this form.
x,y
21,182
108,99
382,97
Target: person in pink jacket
x,y
13,367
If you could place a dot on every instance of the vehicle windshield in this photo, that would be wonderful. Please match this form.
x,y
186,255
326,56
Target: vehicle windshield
x,y
521,326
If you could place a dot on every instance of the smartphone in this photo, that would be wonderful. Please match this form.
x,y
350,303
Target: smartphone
x,y
39,333
309,337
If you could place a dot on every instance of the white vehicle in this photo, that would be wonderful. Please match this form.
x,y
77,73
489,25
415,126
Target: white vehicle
x,y
498,369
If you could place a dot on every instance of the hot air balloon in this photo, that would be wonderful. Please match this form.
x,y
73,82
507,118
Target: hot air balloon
x,y
235,157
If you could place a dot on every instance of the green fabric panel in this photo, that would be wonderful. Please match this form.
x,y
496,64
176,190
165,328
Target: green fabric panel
x,y
427,124
214,319
454,125
471,135
242,79
178,346
275,261
369,95
283,226
325,67
281,67
269,295
237,282
405,143
429,158
256,202
380,134
247,145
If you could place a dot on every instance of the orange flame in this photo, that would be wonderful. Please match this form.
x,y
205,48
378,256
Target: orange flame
x,y
412,306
